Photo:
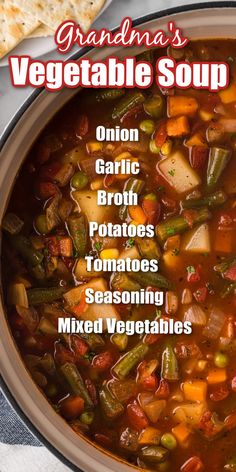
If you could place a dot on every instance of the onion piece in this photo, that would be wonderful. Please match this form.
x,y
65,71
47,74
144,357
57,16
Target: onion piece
x,y
195,315
229,124
215,323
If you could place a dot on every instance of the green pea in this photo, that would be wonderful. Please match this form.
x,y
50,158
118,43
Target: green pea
x,y
153,147
87,417
168,441
40,224
154,106
120,340
79,180
147,126
221,360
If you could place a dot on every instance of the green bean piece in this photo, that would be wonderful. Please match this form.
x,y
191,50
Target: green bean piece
x,y
153,454
231,464
121,281
79,180
147,126
78,229
92,339
44,295
153,279
109,95
76,382
154,106
127,103
134,185
218,160
169,369
214,200
38,272
120,341
180,224
23,246
148,248
111,407
228,290
222,267
123,367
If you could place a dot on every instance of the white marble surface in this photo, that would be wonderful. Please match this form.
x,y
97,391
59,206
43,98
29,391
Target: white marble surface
x,y
11,99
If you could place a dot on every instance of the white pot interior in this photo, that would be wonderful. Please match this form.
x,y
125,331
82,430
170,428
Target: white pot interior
x,y
206,23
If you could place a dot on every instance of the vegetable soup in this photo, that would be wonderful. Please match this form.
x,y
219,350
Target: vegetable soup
x,y
160,401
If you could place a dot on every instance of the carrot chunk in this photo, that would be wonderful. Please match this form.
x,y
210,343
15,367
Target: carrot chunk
x,y
178,126
181,105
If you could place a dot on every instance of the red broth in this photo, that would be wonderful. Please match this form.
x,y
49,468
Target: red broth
x,y
162,402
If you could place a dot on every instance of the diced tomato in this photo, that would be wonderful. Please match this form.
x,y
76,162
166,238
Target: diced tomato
x,y
66,246
152,338
194,276
136,416
46,190
71,407
189,216
200,294
53,246
230,422
194,464
161,134
198,156
230,273
233,384
77,310
91,390
210,425
62,354
186,350
49,171
102,362
103,440
163,390
220,394
146,377
82,126
78,345
152,210
133,111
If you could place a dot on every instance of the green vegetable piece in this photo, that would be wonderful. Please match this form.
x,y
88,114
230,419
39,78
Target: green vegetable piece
x,y
168,441
44,295
180,224
222,267
153,147
215,199
228,290
218,160
147,126
221,360
40,224
111,407
169,369
23,246
121,281
109,95
120,340
78,229
79,181
153,454
152,279
87,417
76,382
123,367
154,106
148,248
12,223
127,103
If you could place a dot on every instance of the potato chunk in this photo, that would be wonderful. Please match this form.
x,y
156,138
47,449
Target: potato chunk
x,y
177,171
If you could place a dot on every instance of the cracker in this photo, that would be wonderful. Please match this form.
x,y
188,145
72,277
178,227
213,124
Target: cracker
x,y
53,12
15,25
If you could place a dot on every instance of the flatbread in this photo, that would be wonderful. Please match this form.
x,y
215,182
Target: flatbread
x,y
53,12
41,32
15,25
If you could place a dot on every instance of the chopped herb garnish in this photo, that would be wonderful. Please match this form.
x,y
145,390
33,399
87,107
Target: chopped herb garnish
x,y
230,59
158,314
190,270
98,246
89,356
171,172
175,252
130,243
170,231
160,188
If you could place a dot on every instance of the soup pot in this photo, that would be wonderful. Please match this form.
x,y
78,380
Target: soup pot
x,y
206,20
